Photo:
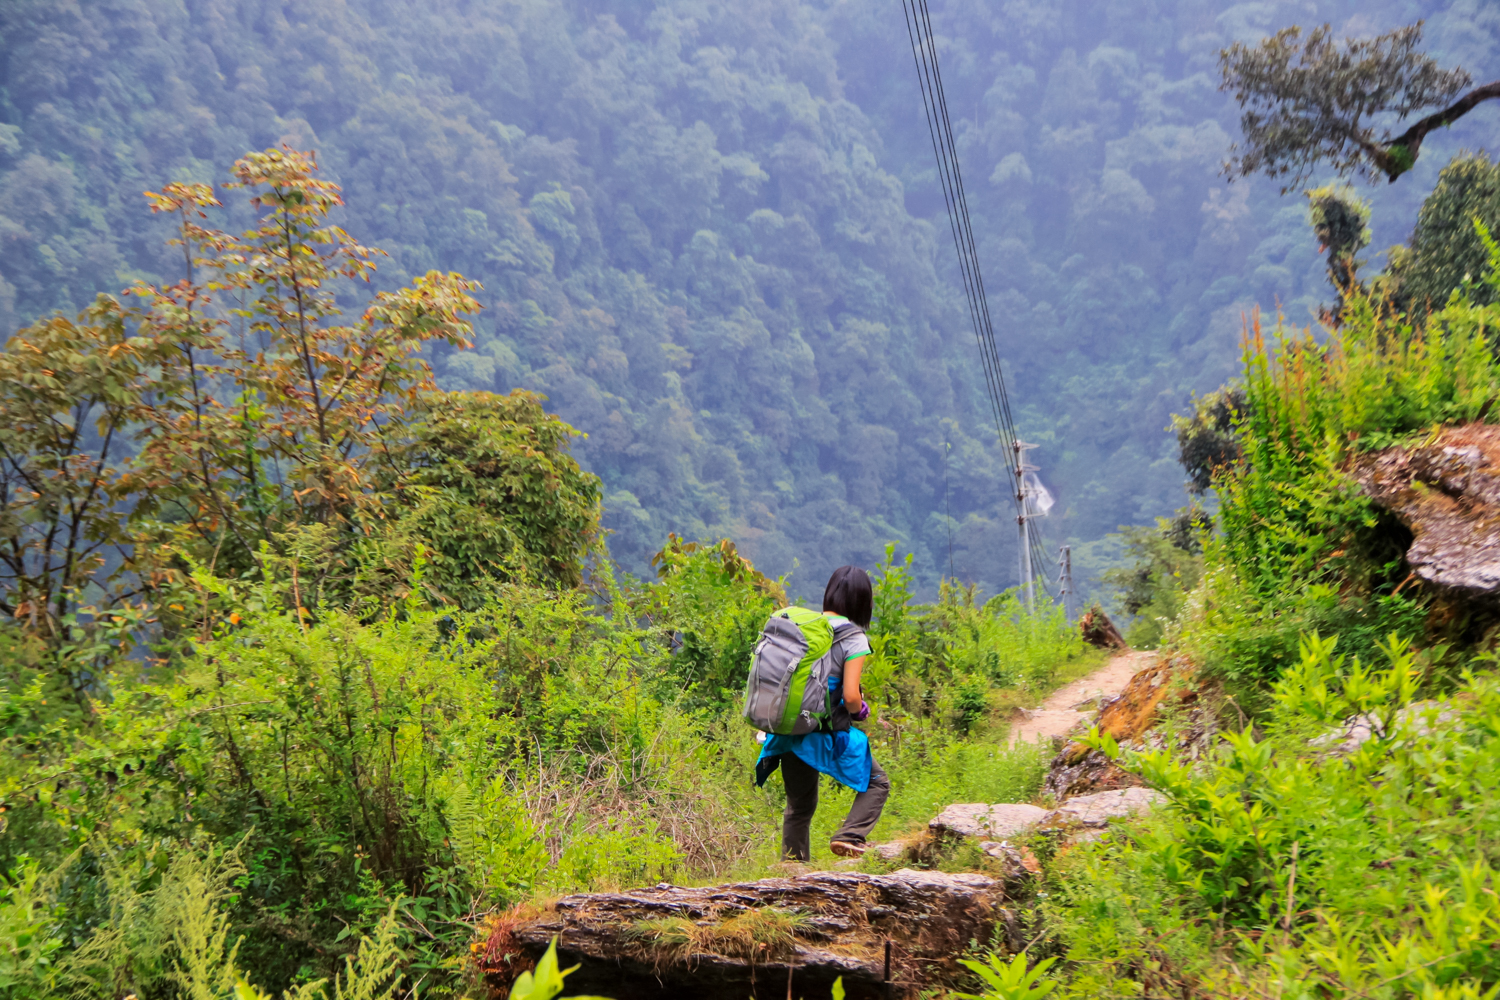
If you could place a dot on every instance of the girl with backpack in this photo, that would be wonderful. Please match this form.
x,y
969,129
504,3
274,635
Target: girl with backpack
x,y
835,748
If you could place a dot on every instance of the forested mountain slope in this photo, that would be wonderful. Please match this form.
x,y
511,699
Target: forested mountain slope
x,y
1119,262
710,231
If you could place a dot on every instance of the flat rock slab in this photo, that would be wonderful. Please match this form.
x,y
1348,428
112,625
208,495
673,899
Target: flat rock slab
x,y
1098,809
740,940
986,821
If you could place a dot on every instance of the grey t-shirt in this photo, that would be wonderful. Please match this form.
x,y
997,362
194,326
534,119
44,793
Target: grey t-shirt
x,y
852,644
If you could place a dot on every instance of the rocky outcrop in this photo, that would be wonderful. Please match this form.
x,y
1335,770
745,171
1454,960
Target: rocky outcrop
x,y
1447,493
745,939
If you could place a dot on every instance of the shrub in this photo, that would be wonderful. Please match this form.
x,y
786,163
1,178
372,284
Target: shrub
x,y
1287,864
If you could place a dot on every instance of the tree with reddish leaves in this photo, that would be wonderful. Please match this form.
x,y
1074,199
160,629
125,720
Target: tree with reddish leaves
x,y
289,401
210,421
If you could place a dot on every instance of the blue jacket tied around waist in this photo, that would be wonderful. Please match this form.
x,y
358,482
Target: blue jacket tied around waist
x,y
844,757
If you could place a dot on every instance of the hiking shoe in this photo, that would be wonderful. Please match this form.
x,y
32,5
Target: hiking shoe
x,y
848,849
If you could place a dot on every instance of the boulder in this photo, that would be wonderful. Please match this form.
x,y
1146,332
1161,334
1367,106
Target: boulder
x,y
1095,811
989,822
1016,859
1078,770
1419,719
1446,492
1097,630
745,939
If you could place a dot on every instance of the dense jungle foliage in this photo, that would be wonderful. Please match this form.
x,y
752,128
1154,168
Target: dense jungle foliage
x,y
312,764
309,665
711,233
317,647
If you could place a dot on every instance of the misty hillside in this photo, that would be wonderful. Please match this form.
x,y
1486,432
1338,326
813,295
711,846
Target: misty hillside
x,y
711,233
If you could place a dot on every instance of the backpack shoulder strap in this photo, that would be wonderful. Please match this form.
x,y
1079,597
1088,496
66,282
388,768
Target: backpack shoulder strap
x,y
847,631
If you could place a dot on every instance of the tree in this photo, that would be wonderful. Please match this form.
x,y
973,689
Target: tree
x,y
1167,565
1445,251
71,390
1206,439
208,420
1306,101
1340,221
487,483
286,404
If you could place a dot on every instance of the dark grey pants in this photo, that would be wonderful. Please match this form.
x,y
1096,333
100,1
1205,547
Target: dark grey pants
x,y
801,781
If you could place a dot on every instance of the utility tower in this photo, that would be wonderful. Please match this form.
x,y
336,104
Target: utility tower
x,y
1032,500
1065,578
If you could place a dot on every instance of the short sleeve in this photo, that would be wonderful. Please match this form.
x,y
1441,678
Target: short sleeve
x,y
855,644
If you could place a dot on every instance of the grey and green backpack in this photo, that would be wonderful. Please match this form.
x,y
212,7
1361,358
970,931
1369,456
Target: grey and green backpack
x,y
787,691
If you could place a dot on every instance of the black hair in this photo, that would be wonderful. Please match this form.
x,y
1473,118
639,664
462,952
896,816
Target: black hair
x,y
849,594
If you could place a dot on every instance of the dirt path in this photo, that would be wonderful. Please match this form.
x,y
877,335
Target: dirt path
x,y
1071,704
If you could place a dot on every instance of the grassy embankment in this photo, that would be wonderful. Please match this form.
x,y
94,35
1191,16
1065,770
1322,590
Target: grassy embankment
x,y
1286,864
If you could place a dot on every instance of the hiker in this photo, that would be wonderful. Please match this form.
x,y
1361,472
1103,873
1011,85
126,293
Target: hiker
x,y
835,748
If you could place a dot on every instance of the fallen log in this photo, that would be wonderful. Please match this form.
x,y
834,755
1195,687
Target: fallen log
x,y
746,939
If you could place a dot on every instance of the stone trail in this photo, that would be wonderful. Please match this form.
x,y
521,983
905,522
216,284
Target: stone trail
x,y
1075,702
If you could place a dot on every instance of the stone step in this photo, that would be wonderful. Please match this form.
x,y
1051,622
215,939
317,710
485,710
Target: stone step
x,y
1097,810
986,821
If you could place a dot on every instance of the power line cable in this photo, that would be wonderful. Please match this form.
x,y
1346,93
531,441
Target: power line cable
x,y
982,301
924,55
955,199
947,512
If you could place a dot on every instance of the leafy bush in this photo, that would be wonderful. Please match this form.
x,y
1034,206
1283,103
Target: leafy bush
x,y
1293,863
1445,253
171,939
1289,508
1000,639
1017,979
1301,547
1168,565
719,603
487,483
952,656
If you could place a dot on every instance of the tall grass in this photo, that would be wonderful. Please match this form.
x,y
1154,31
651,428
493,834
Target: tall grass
x,y
1377,379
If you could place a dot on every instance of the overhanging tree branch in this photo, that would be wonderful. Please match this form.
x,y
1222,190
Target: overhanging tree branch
x,y
1307,100
1401,152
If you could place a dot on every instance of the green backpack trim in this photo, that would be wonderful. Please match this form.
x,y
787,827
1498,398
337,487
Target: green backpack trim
x,y
818,632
